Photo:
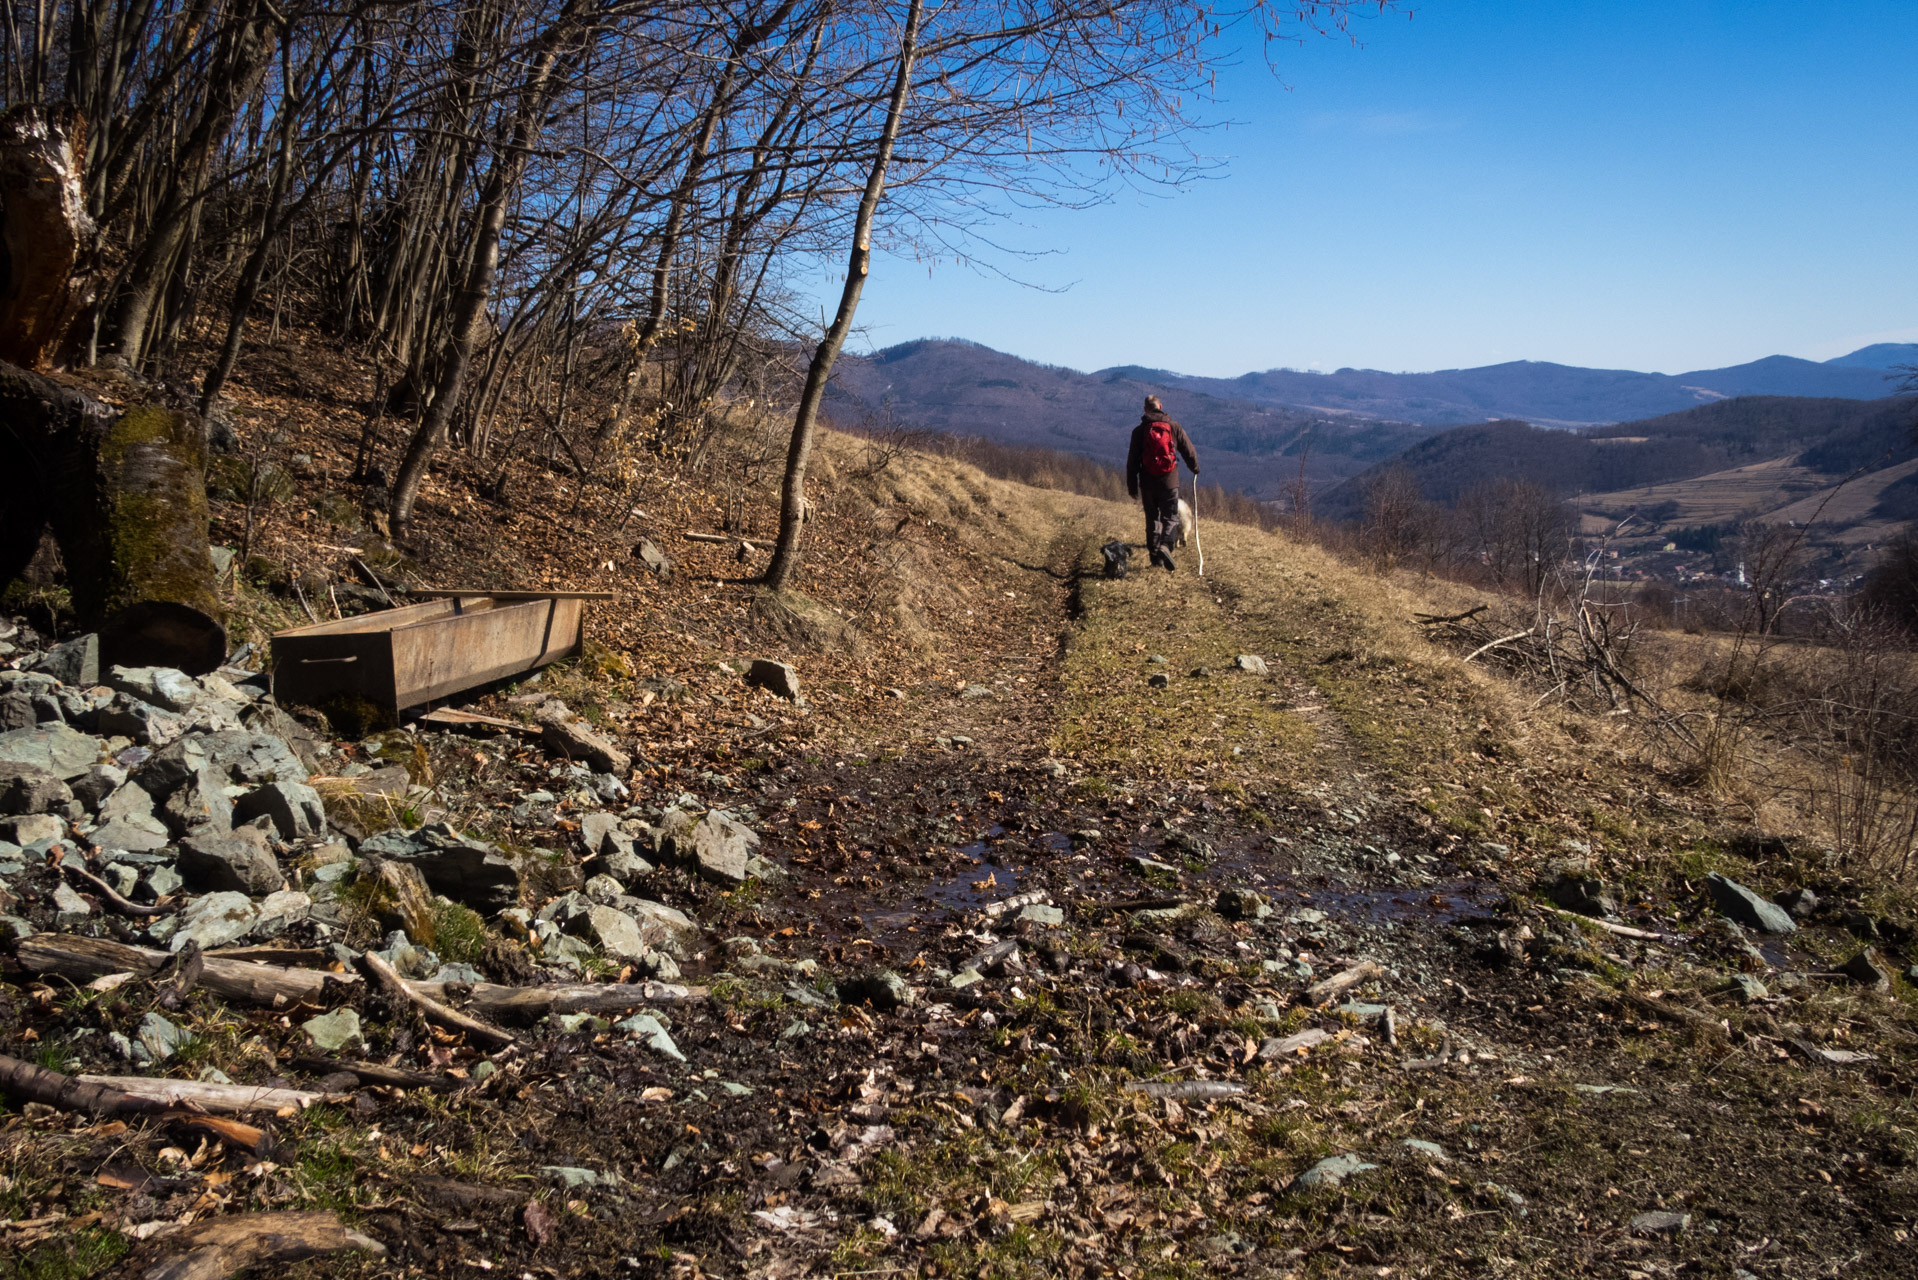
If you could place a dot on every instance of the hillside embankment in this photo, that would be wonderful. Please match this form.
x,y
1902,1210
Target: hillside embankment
x,y
1065,925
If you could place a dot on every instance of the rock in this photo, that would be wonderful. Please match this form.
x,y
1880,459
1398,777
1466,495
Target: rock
x,y
53,748
239,861
565,734
1738,903
334,1032
69,908
470,872
1184,842
573,1176
128,717
198,803
653,558
280,911
1801,903
294,808
974,691
236,755
94,786
1584,895
1041,916
214,921
1430,1150
603,888
31,828
162,687
128,800
1868,970
881,988
1250,662
1242,904
663,928
719,853
158,882
598,830
1151,866
77,662
18,711
160,1038
1331,1172
777,678
1747,987
1660,1222
133,835
269,720
26,788
646,1029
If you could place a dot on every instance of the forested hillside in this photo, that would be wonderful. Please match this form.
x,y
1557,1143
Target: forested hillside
x,y
1829,437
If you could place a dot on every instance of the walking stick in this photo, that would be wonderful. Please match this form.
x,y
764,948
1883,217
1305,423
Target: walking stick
x,y
1197,541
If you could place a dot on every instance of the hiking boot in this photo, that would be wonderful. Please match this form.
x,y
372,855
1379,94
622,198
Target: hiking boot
x,y
1165,558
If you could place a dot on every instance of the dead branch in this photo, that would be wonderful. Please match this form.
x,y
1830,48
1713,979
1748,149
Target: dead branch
x,y
219,1099
388,977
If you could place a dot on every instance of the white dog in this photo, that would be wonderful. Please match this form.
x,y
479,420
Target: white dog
x,y
1185,522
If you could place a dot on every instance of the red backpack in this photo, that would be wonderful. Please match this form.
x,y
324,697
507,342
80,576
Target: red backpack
x,y
1161,454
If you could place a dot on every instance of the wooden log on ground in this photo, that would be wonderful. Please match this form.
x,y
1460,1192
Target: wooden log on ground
x,y
374,1073
125,497
219,1247
81,960
219,1099
529,1004
388,977
1339,983
30,1083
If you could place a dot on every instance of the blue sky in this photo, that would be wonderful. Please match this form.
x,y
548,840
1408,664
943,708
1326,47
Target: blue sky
x,y
1661,186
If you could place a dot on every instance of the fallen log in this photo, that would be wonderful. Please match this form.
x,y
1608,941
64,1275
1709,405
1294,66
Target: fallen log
x,y
218,1099
81,960
373,1073
388,977
1338,983
530,1004
220,1247
88,1095
30,1083
1185,1090
1622,930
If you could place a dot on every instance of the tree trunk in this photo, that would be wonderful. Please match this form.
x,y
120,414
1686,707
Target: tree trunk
x,y
126,498
792,494
44,230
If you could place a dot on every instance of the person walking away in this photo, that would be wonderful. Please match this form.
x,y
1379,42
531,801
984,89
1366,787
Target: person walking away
x,y
1152,475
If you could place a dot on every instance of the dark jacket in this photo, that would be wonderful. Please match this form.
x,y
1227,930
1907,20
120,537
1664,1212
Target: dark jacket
x,y
1137,453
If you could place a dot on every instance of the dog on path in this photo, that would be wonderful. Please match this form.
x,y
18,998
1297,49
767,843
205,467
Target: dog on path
x,y
1185,523
1116,554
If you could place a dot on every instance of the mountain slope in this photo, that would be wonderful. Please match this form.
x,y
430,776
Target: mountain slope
x,y
1548,394
1830,438
968,389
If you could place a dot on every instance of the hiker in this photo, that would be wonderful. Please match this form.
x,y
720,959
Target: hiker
x,y
1152,474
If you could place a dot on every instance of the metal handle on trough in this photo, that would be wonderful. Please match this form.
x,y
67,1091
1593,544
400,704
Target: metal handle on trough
x,y
314,662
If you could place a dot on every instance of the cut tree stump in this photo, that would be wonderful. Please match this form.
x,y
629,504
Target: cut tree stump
x,y
125,496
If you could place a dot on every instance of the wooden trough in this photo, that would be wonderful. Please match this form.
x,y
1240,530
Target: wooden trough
x,y
400,658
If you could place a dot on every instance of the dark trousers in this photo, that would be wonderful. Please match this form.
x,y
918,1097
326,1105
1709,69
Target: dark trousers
x,y
1160,494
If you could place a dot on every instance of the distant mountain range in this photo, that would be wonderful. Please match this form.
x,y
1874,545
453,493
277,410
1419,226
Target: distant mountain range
x,y
1252,431
1551,395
